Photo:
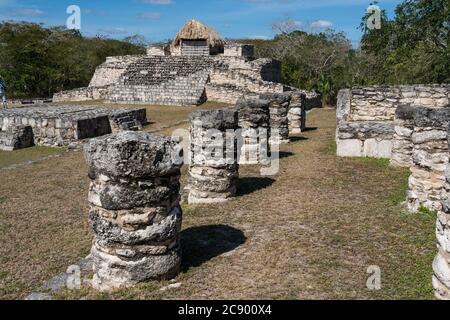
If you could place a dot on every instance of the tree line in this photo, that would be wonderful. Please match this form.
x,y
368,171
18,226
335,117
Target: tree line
x,y
36,61
411,48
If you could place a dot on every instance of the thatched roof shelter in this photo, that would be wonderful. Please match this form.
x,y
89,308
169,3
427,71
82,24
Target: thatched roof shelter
x,y
195,30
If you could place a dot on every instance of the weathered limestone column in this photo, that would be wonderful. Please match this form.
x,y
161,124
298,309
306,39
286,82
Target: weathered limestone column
x,y
430,158
441,264
279,123
297,113
134,208
254,123
402,145
214,168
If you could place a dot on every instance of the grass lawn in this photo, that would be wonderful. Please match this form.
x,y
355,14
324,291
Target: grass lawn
x,y
22,156
311,232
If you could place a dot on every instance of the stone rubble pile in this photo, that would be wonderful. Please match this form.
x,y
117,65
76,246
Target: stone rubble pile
x,y
430,155
279,123
297,113
16,137
134,208
214,167
254,123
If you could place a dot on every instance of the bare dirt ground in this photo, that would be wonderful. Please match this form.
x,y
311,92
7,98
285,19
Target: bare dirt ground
x,y
309,232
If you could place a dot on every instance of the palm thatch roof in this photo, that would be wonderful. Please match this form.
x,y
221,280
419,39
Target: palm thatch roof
x,y
195,30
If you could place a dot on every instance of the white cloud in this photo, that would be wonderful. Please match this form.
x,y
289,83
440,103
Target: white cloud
x,y
158,2
150,15
321,24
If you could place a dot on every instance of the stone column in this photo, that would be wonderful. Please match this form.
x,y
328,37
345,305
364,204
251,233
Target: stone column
x,y
402,145
430,157
441,264
279,123
297,113
254,123
134,208
214,168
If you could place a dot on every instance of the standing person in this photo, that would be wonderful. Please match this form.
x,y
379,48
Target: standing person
x,y
3,93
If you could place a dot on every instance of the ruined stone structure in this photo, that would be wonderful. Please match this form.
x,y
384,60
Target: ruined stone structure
x,y
297,112
441,264
63,125
279,122
254,123
134,208
198,65
429,154
214,167
16,137
366,116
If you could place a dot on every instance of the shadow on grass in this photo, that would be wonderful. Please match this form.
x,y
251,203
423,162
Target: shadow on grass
x,y
296,139
285,154
248,185
310,129
201,244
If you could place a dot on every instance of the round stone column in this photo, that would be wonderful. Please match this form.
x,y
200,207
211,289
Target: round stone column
x,y
134,208
254,124
214,169
297,113
279,123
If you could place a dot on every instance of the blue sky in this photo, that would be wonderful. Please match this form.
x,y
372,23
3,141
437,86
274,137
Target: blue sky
x,y
160,19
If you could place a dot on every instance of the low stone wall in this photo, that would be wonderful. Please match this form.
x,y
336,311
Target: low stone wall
x,y
214,168
63,125
82,94
16,137
134,208
365,116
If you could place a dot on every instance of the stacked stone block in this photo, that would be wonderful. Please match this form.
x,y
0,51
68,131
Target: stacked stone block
x,y
16,137
402,146
441,264
254,124
214,167
430,155
297,112
279,123
134,208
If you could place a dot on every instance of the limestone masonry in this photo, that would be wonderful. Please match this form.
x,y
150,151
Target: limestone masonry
x,y
214,167
441,264
254,123
134,208
17,137
279,122
366,118
198,66
62,125
429,154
